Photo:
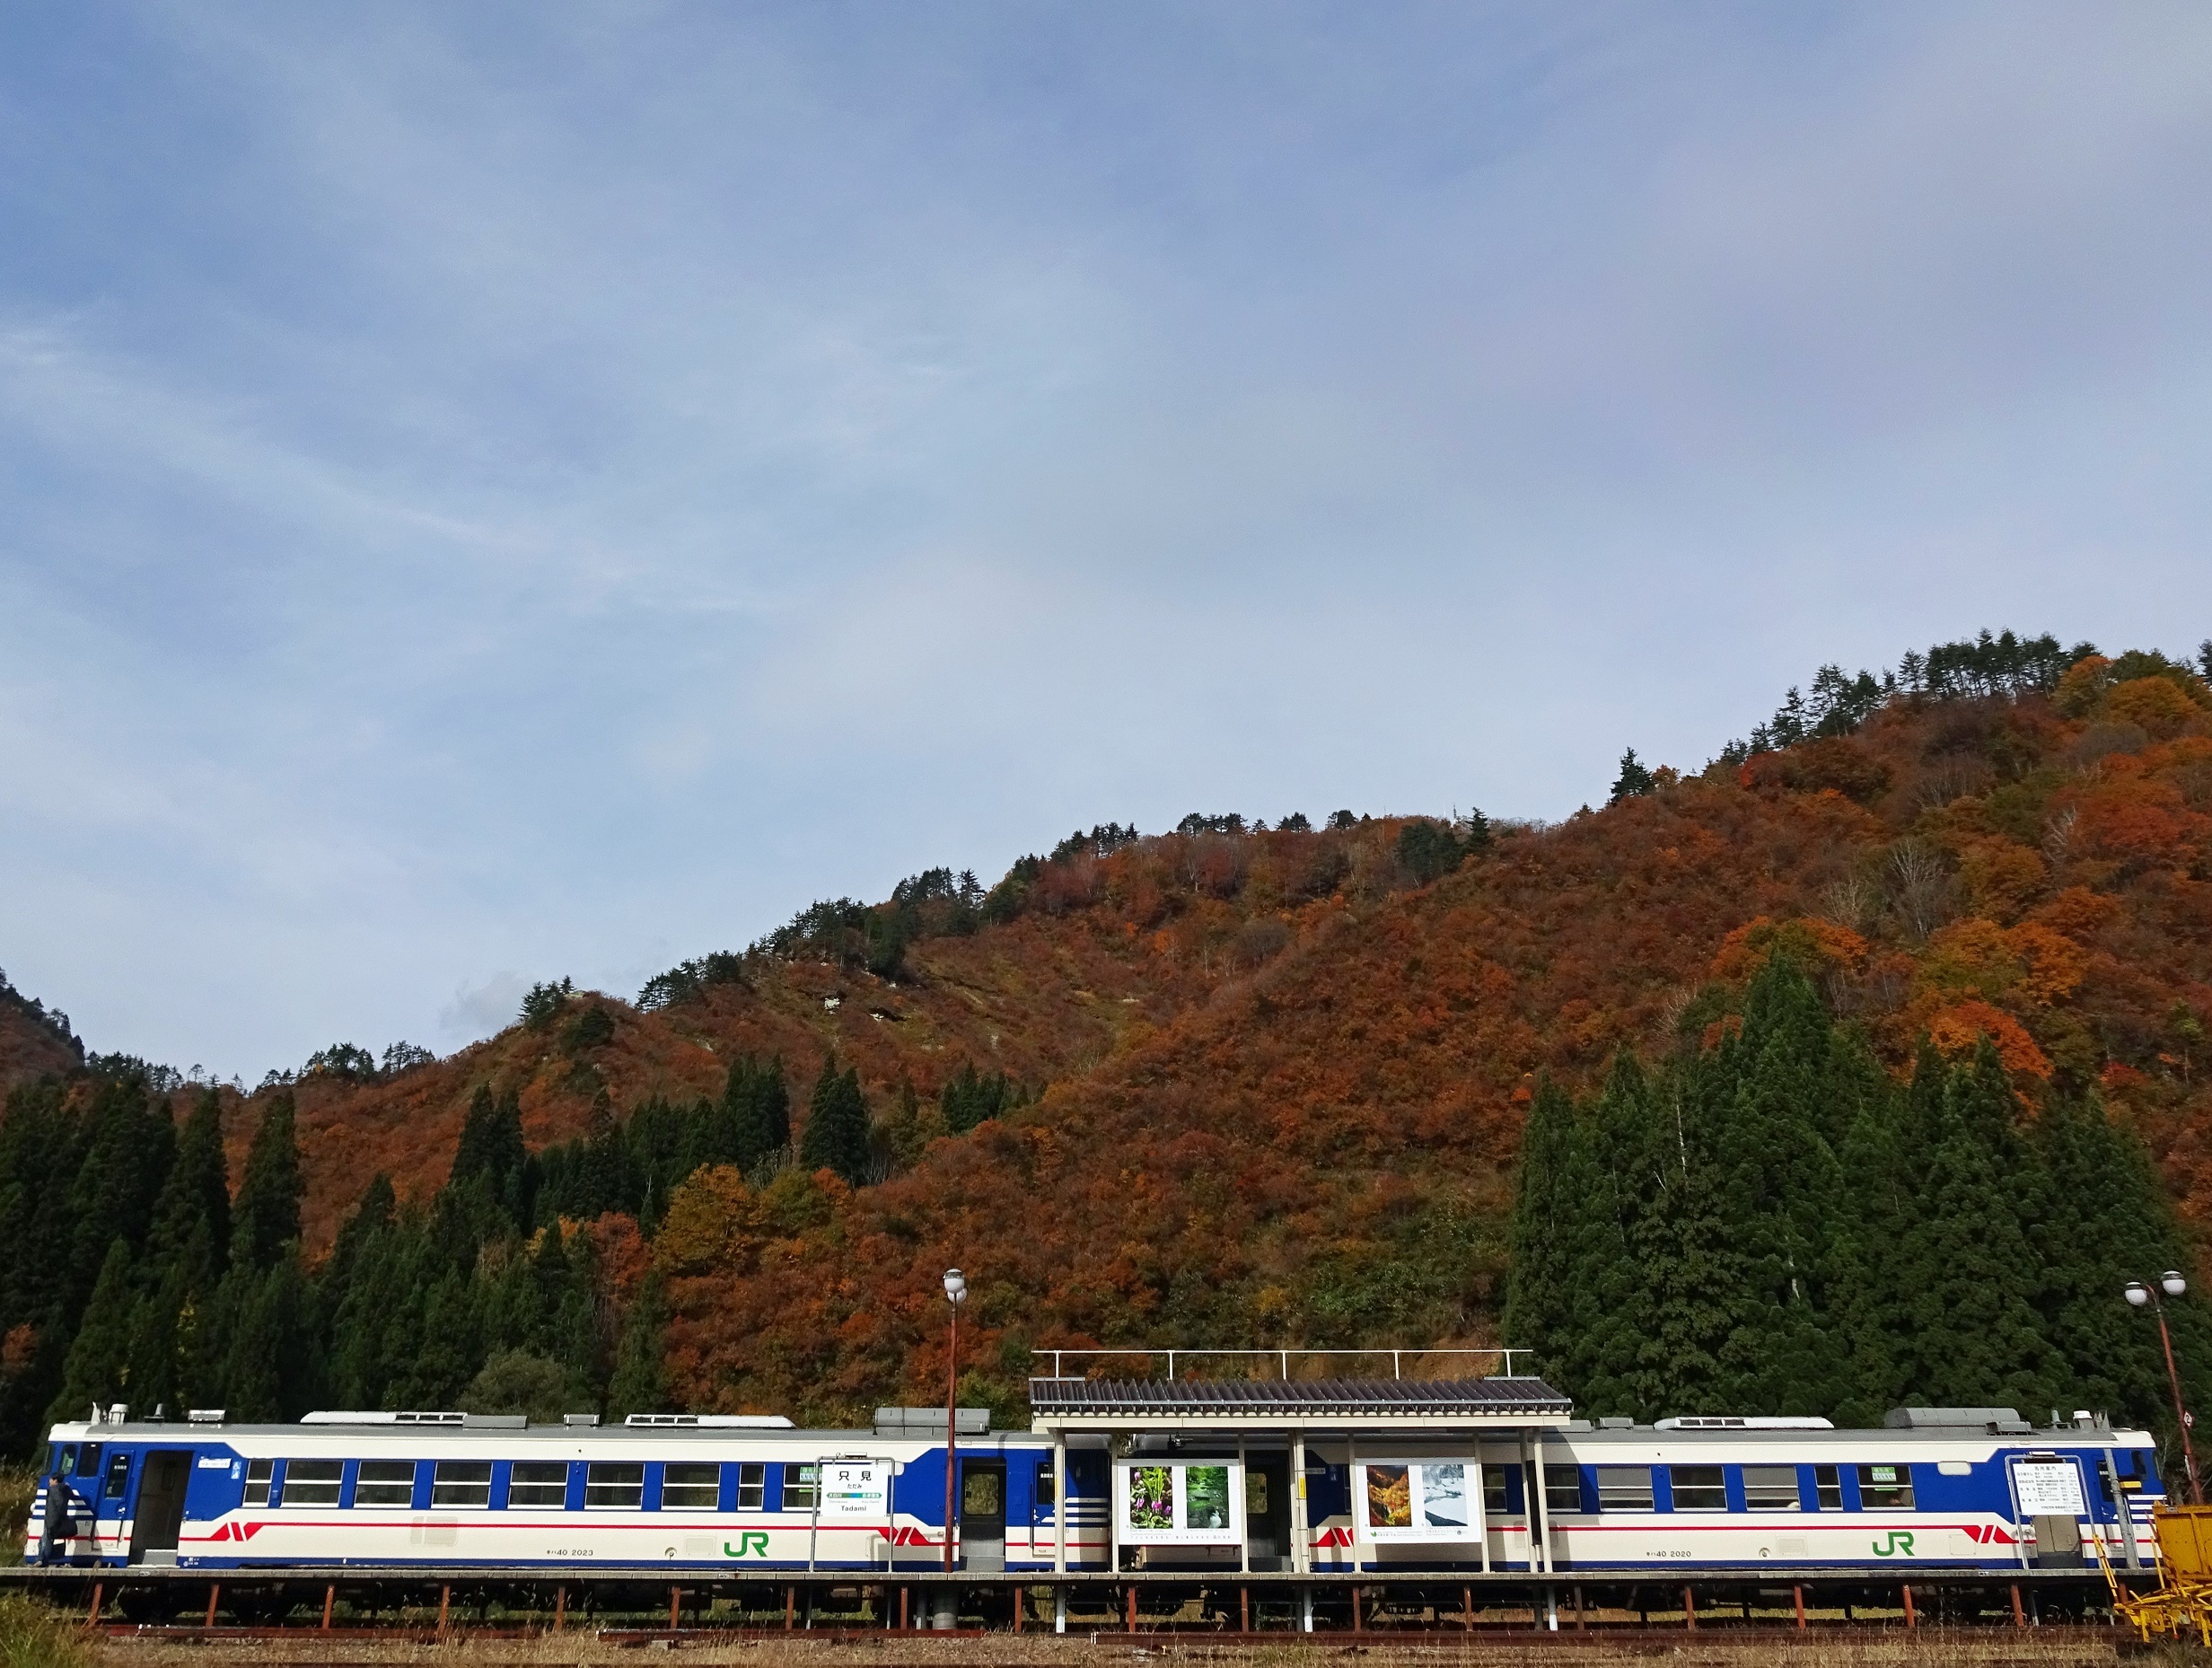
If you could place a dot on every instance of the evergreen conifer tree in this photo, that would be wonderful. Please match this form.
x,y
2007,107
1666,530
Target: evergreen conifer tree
x,y
1764,1093
1971,1278
267,1216
759,1104
100,1355
131,1144
836,1137
192,1212
640,1381
1551,1225
1635,779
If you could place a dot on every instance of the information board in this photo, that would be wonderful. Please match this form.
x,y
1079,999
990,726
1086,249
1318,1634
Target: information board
x,y
2049,1488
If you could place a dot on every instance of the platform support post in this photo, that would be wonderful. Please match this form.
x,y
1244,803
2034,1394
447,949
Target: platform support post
x,y
1060,1610
2019,1617
1305,1610
1356,1624
445,1605
1020,1599
1060,1502
1581,1626
1467,1608
905,1595
1131,1591
1797,1596
791,1607
329,1602
1301,1526
1243,1610
215,1592
98,1592
1912,1618
1690,1610
560,1606
675,1608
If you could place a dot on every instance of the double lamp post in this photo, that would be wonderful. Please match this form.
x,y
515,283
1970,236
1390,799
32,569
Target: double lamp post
x,y
2142,1295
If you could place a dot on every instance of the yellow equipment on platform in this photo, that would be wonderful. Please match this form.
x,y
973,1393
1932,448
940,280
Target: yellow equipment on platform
x,y
2182,1600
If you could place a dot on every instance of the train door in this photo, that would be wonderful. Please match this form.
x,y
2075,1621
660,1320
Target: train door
x,y
160,1513
983,1512
2046,1488
1266,1510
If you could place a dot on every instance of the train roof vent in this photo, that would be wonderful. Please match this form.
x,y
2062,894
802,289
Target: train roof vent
x,y
926,1421
711,1421
2006,1420
362,1416
1752,1421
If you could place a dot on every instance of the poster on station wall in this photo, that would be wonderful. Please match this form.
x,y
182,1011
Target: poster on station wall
x,y
1179,1503
1415,1501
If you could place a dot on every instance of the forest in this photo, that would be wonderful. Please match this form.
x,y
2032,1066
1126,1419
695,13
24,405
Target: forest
x,y
1858,1066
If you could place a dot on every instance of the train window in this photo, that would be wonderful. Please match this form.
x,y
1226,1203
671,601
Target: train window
x,y
752,1487
313,1482
1885,1488
1494,1491
65,1461
1771,1487
258,1473
462,1483
88,1461
1828,1484
384,1482
119,1476
614,1487
1562,1489
539,1482
1623,1488
1044,1489
1699,1487
690,1487
798,1487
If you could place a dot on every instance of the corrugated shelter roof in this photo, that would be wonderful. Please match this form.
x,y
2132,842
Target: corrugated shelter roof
x,y
1059,1401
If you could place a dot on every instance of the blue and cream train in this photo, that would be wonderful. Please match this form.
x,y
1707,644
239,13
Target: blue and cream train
x,y
1955,1488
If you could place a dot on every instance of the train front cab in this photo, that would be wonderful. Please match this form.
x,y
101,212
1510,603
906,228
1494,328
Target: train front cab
x,y
105,1498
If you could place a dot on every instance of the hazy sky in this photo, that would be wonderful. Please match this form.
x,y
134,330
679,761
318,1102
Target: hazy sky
x,y
493,492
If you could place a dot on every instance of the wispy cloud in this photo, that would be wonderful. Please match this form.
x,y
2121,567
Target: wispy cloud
x,y
538,488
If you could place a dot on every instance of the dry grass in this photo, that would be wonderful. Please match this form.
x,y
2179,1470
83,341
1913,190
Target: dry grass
x,y
1873,1648
32,1636
18,1485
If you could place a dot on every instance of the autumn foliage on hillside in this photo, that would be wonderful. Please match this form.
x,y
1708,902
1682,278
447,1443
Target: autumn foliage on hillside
x,y
1262,1087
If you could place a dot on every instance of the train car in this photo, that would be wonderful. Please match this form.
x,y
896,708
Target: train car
x,y
447,1490
1958,1488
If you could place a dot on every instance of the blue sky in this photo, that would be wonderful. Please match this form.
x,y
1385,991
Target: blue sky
x,y
495,492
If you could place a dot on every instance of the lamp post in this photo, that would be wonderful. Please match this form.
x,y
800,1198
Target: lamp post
x,y
2172,1283
956,1293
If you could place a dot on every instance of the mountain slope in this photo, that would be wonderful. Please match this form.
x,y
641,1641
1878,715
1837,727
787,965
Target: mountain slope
x,y
1272,1082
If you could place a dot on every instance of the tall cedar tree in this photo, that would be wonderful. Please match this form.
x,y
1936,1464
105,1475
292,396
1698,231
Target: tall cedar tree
x,y
640,1381
1771,1226
267,1216
836,1137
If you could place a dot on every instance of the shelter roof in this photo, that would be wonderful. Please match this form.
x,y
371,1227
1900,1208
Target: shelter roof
x,y
1247,1404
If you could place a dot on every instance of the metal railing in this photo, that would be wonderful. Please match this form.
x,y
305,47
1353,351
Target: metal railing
x,y
1281,1356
